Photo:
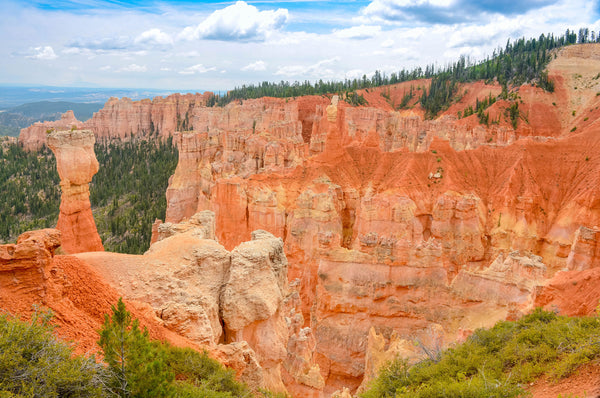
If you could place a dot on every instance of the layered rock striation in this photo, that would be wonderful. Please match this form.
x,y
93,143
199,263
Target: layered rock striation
x,y
404,225
395,229
76,163
33,138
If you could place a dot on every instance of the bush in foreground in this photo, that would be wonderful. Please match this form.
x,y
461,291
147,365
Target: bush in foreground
x,y
497,362
34,363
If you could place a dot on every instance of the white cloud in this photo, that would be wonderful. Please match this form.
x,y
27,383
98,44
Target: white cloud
x,y
321,69
165,69
354,74
134,68
188,54
406,53
255,66
199,68
106,67
360,32
44,53
154,37
237,22
388,43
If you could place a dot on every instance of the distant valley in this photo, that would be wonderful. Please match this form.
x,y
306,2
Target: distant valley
x,y
12,120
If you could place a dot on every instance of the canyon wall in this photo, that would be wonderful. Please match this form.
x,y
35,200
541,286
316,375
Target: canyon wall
x,y
409,227
237,303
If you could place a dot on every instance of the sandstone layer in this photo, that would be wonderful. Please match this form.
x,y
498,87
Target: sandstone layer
x,y
33,137
76,163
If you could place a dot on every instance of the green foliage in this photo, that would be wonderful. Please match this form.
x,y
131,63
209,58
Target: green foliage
x,y
441,92
128,192
480,107
29,191
203,373
406,98
34,363
353,98
513,114
139,367
136,366
498,361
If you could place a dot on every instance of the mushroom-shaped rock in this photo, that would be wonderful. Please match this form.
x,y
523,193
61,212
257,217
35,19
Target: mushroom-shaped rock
x,y
76,164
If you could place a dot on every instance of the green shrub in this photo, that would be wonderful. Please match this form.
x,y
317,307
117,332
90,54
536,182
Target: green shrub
x,y
496,362
34,363
139,367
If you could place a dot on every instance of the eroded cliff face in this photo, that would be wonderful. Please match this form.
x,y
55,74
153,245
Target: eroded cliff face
x,y
407,226
76,163
33,138
395,229
239,303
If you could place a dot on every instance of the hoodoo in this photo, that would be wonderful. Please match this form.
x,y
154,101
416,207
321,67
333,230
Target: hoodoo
x,y
76,164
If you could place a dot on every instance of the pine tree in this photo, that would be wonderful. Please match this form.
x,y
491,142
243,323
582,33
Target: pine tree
x,y
137,366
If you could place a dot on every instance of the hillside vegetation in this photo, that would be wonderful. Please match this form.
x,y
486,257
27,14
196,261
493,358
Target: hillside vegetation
x,y
127,193
521,61
34,363
496,362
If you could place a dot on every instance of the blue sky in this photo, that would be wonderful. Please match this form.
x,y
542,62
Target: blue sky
x,y
216,45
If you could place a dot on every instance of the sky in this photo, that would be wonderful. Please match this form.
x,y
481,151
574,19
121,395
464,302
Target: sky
x,y
193,46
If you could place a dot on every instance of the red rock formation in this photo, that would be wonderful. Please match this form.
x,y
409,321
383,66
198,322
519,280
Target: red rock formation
x,y
160,117
33,138
390,223
401,224
76,163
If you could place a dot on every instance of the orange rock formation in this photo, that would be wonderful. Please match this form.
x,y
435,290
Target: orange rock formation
x,y
33,137
401,224
76,163
394,228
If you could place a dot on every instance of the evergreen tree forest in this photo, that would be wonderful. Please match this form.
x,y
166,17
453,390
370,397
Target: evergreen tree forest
x,y
29,191
518,62
127,193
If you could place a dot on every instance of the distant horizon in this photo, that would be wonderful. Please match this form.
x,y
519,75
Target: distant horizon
x,y
14,95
